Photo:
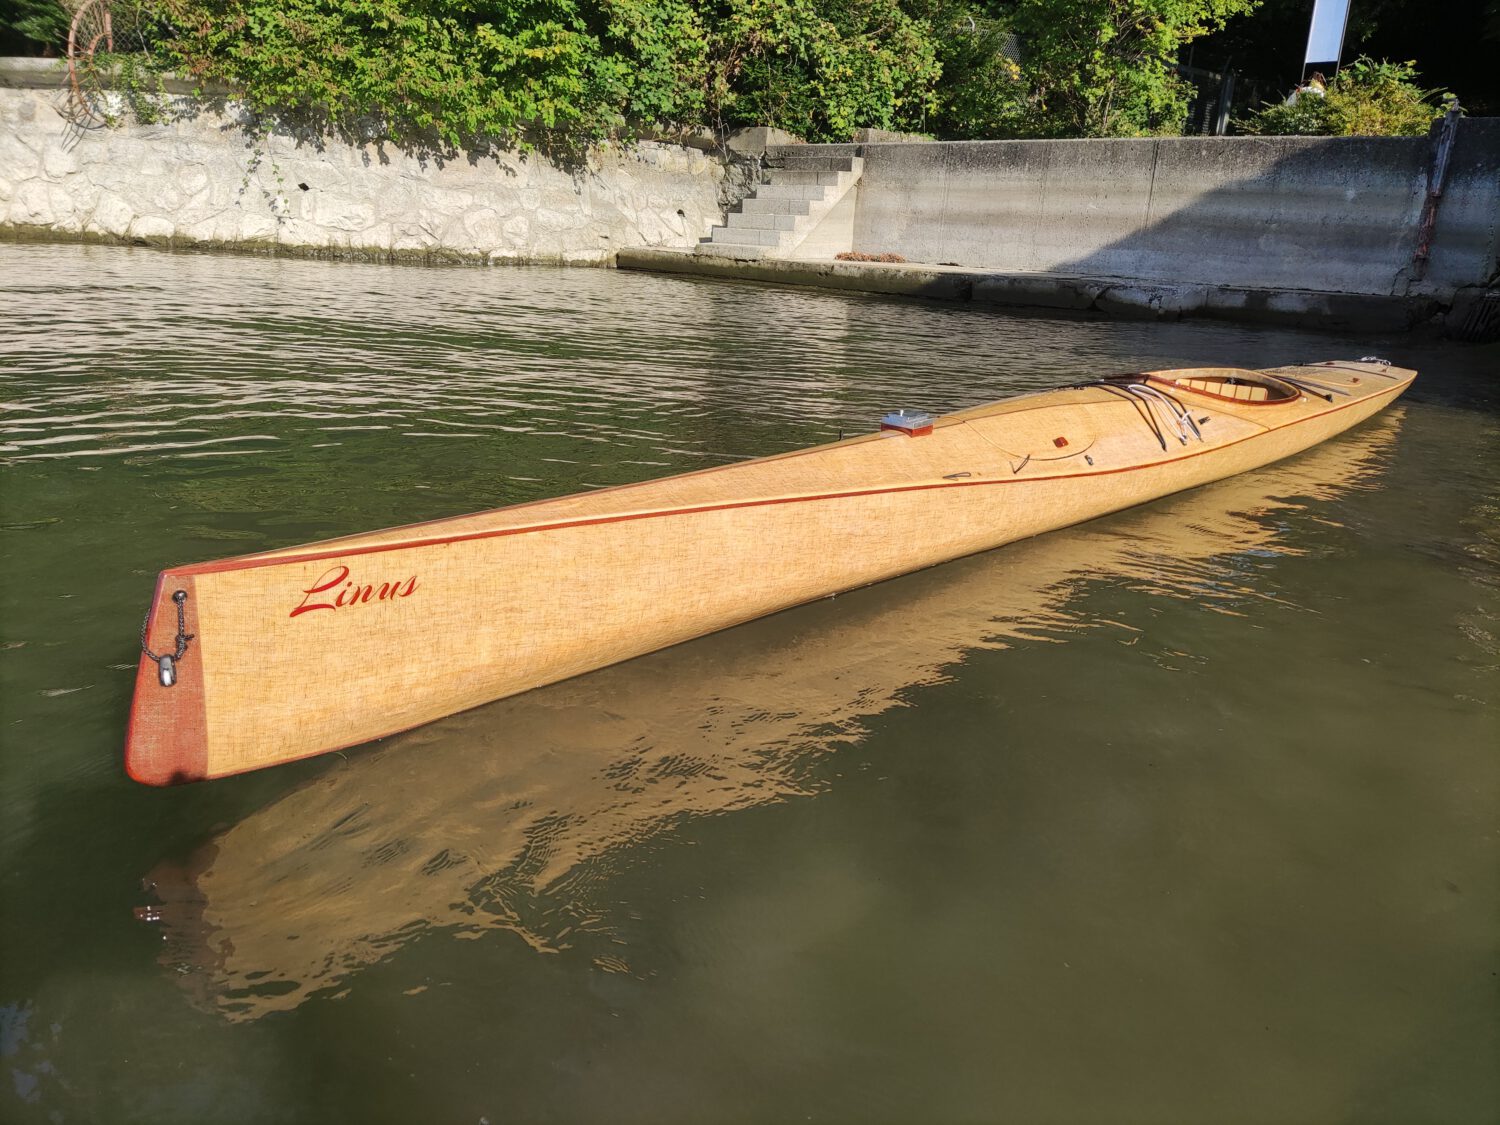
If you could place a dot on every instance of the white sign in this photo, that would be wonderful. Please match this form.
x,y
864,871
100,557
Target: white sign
x,y
1325,38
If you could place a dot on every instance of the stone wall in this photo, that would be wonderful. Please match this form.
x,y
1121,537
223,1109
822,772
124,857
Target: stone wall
x,y
1329,214
199,178
1332,215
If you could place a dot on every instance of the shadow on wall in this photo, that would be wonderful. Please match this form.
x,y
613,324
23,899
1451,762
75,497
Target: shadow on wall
x,y
1335,215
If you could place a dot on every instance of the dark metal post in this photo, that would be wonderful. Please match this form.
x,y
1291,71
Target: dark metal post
x,y
1437,173
1226,101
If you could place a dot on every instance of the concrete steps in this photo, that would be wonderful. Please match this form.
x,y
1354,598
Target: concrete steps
x,y
767,204
763,220
777,220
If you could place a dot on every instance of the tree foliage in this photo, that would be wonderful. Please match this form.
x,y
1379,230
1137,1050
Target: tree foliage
x,y
820,69
1366,99
33,27
453,72
447,69
1106,68
981,93
457,68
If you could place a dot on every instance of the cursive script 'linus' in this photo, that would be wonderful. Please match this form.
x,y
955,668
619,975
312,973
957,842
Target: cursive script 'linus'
x,y
350,593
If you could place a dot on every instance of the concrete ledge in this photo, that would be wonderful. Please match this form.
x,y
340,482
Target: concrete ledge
x,y
27,73
270,248
936,282
1113,297
1037,291
49,74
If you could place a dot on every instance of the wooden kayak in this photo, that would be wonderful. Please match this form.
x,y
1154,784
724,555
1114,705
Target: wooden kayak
x,y
278,656
519,815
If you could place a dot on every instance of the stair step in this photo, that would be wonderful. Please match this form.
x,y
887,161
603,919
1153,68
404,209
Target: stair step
x,y
774,221
810,176
762,220
775,190
815,163
769,205
745,236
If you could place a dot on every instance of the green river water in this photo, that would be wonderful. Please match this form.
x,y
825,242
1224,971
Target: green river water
x,y
1188,814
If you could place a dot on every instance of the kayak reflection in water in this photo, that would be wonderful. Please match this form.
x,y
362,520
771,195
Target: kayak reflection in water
x,y
514,816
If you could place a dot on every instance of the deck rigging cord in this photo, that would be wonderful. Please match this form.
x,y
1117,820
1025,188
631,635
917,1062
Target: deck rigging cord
x,y
1324,391
1148,401
1141,408
1179,413
167,665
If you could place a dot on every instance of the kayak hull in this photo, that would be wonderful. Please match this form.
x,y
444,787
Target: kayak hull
x,y
311,649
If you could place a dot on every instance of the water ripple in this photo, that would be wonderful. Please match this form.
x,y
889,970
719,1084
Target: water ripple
x,y
658,366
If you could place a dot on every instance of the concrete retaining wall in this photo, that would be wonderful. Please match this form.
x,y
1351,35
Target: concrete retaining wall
x,y
200,179
1326,214
1253,227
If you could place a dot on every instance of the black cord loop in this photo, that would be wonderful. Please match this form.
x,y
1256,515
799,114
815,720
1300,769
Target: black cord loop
x,y
183,636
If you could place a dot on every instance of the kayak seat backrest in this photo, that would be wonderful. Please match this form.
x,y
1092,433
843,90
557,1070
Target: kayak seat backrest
x,y
1229,383
1242,392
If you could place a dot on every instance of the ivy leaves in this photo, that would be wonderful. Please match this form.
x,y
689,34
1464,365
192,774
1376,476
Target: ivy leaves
x,y
451,70
461,73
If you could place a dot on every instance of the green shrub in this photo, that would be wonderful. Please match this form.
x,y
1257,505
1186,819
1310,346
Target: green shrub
x,y
449,74
452,71
1365,99
821,70
981,92
446,69
1107,68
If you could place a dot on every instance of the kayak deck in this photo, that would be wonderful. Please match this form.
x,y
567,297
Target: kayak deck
x,y
986,442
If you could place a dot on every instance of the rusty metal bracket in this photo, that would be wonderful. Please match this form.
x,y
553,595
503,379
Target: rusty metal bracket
x,y
91,29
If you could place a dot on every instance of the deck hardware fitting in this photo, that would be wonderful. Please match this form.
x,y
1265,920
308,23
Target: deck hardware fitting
x,y
167,665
